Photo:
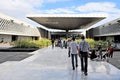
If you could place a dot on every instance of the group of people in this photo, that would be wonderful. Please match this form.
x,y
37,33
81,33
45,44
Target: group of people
x,y
99,55
59,43
80,49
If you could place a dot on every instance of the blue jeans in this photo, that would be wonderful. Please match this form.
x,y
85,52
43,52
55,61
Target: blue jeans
x,y
76,60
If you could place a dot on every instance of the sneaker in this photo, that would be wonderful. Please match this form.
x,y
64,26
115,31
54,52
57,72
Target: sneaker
x,y
82,70
73,68
76,65
85,73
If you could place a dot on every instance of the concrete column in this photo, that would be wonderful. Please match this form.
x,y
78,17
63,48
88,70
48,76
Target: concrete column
x,y
49,35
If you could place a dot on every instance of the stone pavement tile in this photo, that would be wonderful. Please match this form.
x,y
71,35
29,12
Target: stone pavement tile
x,y
54,64
116,59
13,56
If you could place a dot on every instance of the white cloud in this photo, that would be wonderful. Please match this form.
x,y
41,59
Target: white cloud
x,y
20,8
98,7
108,8
16,5
59,11
56,0
92,7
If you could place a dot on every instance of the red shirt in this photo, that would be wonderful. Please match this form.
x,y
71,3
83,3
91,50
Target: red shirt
x,y
111,48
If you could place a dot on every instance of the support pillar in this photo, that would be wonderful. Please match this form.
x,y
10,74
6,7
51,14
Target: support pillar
x,y
49,35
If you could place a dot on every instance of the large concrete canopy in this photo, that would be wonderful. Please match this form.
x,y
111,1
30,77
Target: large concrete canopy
x,y
66,21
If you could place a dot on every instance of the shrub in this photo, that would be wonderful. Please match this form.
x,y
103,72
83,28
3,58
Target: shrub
x,y
43,42
24,44
46,42
32,43
93,43
102,43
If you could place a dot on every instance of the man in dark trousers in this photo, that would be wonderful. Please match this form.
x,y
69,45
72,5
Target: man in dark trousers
x,y
83,51
52,41
100,51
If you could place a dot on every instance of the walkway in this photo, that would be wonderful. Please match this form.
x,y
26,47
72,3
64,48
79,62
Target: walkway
x,y
54,64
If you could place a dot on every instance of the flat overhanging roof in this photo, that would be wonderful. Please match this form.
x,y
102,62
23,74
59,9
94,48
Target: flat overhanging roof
x,y
67,21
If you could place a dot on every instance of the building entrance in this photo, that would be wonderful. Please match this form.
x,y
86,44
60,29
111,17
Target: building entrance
x,y
14,37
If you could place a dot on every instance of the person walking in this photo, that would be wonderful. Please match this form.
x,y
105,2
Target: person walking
x,y
83,51
74,52
52,41
100,51
110,51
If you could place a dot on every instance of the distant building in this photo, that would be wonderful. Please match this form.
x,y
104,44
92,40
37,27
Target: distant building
x,y
43,32
66,23
109,31
12,29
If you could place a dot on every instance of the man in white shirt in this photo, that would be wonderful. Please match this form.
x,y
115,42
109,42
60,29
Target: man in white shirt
x,y
74,52
83,51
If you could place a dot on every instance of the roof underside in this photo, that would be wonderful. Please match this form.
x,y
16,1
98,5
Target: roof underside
x,y
66,22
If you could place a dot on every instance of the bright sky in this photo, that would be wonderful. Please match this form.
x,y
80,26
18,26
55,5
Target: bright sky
x,y
20,8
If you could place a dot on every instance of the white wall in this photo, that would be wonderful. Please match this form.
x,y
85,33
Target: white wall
x,y
6,38
24,38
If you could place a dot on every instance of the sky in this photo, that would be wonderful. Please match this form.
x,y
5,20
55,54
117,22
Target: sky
x,y
21,8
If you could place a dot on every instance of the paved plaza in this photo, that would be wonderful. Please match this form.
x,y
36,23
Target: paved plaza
x,y
54,64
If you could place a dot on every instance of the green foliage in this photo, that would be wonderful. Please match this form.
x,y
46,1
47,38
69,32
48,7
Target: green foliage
x,y
43,42
91,42
77,40
104,44
46,42
94,44
32,43
25,44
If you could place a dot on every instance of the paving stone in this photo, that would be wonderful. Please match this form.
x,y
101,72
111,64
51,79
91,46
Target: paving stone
x,y
54,64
